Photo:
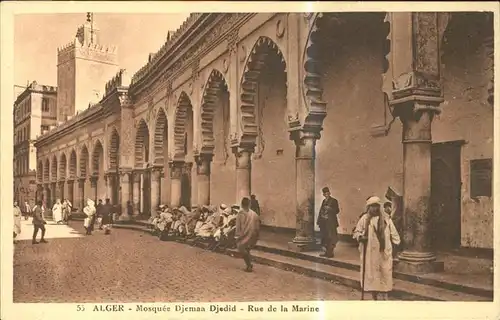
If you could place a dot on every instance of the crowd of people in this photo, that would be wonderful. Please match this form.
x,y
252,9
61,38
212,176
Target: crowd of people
x,y
213,224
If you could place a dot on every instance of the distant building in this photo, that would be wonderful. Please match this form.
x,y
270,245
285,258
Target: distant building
x,y
34,113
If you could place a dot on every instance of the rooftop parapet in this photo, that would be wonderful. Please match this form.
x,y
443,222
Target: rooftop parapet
x,y
121,79
172,39
76,118
94,47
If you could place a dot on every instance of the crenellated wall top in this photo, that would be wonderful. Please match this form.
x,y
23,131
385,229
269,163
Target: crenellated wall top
x,y
120,80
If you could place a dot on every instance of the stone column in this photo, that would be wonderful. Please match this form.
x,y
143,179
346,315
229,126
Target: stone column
x,y
243,172
305,157
136,190
70,195
108,181
418,255
415,96
125,177
203,162
81,192
93,186
54,193
61,190
45,192
155,188
176,170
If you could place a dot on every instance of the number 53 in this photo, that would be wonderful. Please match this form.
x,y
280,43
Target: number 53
x,y
80,307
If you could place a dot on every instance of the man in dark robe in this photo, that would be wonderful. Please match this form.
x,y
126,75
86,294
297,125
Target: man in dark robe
x,y
328,223
106,213
254,204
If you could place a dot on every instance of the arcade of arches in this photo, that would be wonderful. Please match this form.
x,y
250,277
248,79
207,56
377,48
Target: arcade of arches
x,y
280,113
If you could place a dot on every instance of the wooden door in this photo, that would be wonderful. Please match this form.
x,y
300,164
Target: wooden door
x,y
446,195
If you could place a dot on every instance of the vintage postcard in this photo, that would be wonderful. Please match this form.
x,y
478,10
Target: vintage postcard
x,y
239,160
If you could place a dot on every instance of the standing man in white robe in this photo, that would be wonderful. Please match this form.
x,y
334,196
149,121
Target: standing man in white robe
x,y
247,232
377,232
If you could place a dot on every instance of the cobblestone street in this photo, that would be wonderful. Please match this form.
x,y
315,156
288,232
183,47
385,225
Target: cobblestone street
x,y
129,266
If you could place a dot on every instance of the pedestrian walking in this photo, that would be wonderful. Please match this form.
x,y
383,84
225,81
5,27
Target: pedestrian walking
x,y
328,223
247,232
66,209
106,212
38,223
254,204
90,212
99,214
376,233
57,212
27,210
17,220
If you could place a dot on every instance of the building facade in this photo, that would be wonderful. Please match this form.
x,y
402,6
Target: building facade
x,y
34,113
282,104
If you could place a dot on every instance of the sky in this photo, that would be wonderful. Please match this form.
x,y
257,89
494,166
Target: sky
x,y
37,37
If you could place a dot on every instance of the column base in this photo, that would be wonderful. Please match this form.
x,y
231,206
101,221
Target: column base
x,y
303,246
124,217
418,263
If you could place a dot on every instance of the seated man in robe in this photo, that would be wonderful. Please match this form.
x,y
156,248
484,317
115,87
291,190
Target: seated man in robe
x,y
228,233
208,228
191,220
179,226
164,224
153,220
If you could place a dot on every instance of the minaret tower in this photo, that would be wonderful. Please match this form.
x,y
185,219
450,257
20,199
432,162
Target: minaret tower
x,y
83,68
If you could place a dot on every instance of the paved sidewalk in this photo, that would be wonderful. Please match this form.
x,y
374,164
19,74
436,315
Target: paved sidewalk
x,y
53,231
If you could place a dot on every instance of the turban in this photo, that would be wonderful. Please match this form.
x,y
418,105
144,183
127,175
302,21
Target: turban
x,y
372,201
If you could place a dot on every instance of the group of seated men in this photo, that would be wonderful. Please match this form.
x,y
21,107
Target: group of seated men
x,y
217,225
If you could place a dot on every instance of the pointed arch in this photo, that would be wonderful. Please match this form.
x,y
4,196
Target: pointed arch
x,y
183,112
63,166
216,84
141,144
160,137
84,161
114,150
72,164
97,157
262,54
326,28
53,169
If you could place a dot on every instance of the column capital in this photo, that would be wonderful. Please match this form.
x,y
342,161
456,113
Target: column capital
x,y
81,179
243,148
203,157
243,157
70,180
156,172
176,169
136,175
203,163
305,134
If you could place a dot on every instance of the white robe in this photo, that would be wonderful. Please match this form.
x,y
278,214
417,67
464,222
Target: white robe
x,y
378,275
57,212
90,212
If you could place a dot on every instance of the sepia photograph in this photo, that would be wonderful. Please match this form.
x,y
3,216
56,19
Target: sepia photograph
x,y
166,159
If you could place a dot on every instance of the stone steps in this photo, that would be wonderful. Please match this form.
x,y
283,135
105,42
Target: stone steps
x,y
442,284
405,288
